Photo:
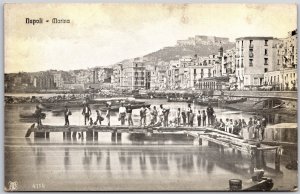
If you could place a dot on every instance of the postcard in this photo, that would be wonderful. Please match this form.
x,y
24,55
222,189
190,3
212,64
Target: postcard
x,y
150,97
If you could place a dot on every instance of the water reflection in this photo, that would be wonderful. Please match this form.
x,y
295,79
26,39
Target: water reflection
x,y
67,159
148,158
135,157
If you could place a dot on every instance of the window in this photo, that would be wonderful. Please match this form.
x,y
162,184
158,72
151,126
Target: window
x,y
278,62
194,71
266,51
251,44
242,44
251,54
242,63
266,61
251,62
237,64
266,70
266,42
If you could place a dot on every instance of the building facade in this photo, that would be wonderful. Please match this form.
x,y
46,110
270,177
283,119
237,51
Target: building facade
x,y
254,57
284,73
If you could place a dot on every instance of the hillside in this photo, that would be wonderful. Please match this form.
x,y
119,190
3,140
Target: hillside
x,y
176,52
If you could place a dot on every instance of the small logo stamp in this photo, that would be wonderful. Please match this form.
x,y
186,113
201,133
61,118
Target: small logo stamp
x,y
12,185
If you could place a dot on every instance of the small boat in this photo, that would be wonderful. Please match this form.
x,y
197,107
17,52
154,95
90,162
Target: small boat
x,y
26,115
206,102
232,101
116,108
141,96
180,100
219,102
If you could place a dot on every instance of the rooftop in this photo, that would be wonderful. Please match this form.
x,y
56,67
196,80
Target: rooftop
x,y
255,38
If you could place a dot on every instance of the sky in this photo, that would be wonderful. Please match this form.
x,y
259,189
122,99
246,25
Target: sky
x,y
104,34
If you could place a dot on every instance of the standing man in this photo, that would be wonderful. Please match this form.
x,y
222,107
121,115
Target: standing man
x,y
210,112
143,116
161,114
178,115
38,115
203,118
99,118
67,113
166,116
154,114
189,110
122,114
86,112
183,115
108,114
129,115
199,118
263,127
191,121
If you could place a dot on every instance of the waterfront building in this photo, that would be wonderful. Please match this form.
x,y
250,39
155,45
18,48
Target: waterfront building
x,y
283,76
206,73
44,80
158,75
173,74
254,57
58,80
132,74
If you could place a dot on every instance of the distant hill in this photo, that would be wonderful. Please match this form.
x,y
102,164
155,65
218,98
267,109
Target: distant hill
x,y
176,52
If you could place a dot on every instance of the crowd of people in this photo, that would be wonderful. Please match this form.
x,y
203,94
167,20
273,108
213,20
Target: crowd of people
x,y
160,117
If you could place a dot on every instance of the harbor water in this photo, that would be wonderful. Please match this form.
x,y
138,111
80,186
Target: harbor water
x,y
161,162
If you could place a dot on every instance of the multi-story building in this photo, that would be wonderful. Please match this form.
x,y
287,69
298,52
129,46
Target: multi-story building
x,y
44,80
283,75
58,80
158,75
206,72
254,57
132,75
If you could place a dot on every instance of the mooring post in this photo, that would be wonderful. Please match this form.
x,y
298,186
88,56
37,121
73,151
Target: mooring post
x,y
89,134
68,135
95,135
252,158
74,134
119,137
277,159
113,136
200,140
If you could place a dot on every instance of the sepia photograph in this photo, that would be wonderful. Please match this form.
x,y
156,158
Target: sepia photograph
x,y
150,97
